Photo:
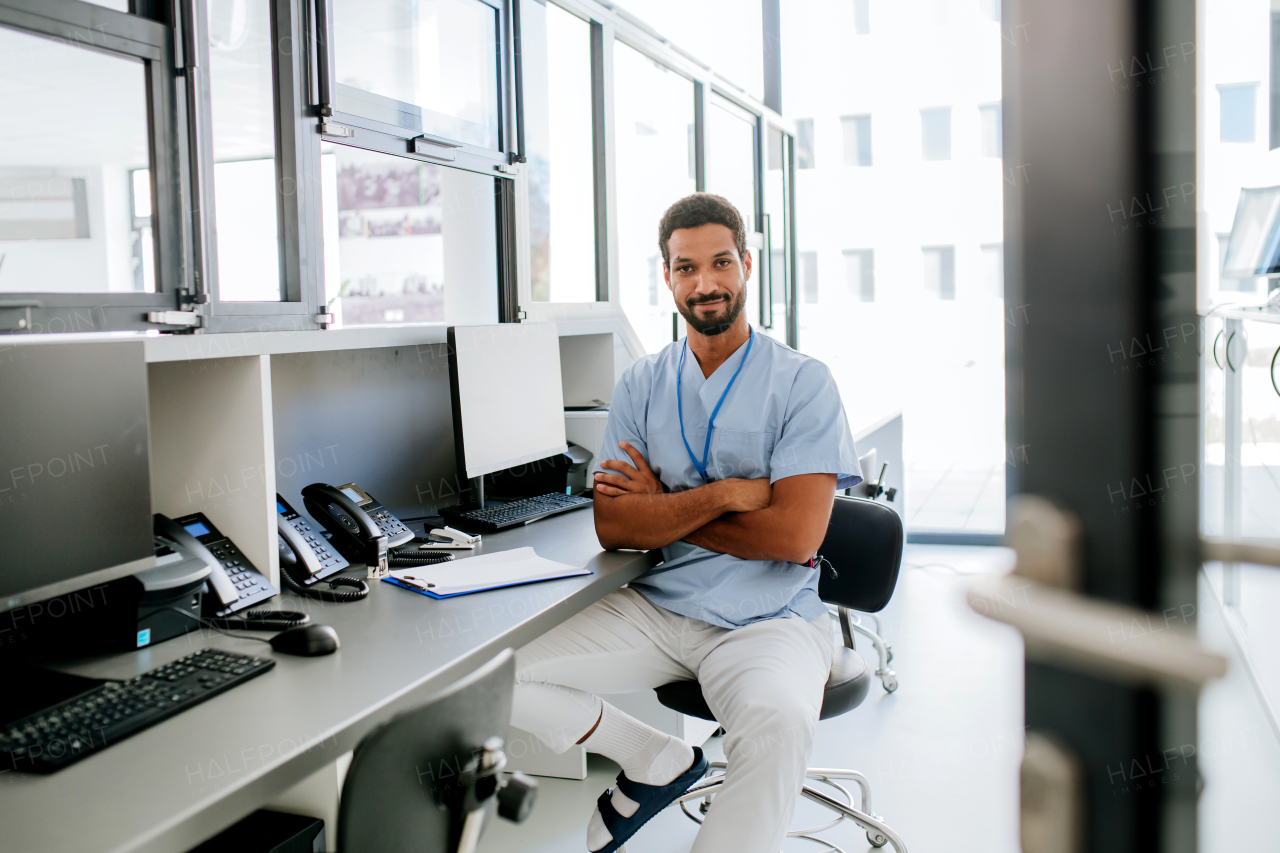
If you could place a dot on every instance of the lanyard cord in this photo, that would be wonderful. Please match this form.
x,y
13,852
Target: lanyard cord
x,y
706,448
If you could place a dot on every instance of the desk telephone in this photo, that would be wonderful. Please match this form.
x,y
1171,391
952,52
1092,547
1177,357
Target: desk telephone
x,y
235,584
363,531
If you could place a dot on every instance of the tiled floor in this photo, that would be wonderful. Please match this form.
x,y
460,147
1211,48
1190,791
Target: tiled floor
x,y
955,498
942,752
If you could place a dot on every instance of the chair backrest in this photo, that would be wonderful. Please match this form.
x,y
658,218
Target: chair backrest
x,y
390,799
864,546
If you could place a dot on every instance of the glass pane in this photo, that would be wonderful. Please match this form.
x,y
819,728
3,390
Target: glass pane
x,y
774,317
731,158
653,124
557,108
406,241
67,211
244,150
1260,428
428,65
873,258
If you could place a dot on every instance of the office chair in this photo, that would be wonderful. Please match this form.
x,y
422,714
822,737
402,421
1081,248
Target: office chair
x,y
860,558
427,781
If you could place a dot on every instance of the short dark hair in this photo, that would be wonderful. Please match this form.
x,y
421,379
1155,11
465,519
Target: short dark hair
x,y
701,209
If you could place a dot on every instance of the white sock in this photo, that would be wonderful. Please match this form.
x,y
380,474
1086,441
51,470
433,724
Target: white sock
x,y
645,754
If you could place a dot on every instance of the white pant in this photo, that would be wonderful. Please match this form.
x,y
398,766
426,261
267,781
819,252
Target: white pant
x,y
764,683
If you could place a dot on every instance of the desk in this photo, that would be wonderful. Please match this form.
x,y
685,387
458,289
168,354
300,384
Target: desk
x,y
184,780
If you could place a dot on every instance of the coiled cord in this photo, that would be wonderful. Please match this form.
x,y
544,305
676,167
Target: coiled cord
x,y
263,620
407,556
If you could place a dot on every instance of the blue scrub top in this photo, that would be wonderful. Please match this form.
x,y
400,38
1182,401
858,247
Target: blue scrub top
x,y
782,417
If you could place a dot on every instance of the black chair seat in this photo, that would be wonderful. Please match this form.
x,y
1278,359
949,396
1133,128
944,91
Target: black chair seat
x,y
847,686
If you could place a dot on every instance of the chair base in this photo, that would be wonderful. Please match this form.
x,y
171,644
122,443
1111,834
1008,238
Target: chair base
x,y
878,834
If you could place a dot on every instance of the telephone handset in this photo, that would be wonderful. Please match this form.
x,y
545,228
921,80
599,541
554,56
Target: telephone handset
x,y
234,583
363,530
305,558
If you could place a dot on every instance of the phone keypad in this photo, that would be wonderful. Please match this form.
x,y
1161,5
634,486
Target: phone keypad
x,y
240,571
390,526
329,558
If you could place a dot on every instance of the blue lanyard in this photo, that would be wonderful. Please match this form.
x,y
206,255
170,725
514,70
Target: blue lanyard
x,y
706,448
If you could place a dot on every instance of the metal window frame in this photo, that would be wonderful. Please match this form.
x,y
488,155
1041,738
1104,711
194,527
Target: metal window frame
x,y
507,76
115,33
297,166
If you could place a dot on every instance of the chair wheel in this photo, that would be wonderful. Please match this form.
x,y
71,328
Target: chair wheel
x,y
888,653
889,681
875,839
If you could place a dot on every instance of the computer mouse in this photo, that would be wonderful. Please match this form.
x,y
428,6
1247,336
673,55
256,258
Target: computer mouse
x,y
306,640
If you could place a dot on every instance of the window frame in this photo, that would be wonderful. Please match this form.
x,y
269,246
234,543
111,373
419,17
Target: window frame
x,y
89,27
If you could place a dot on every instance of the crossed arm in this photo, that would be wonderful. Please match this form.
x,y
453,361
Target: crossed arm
x,y
746,518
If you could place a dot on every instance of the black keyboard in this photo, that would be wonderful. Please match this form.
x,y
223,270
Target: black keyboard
x,y
515,513
64,733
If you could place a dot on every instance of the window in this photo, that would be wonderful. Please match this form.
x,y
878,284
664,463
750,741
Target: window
x,y
558,116
731,157
1237,112
653,111
859,266
75,215
989,9
242,104
424,65
940,271
993,269
407,241
862,17
990,115
809,276
857,140
1275,78
935,133
804,143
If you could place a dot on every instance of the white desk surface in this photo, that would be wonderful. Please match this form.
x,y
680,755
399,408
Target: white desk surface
x,y
184,780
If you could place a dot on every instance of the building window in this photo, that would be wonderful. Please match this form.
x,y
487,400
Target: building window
x,y
804,143
993,269
857,140
1237,119
861,17
935,133
562,245
940,271
809,276
656,278
990,114
859,266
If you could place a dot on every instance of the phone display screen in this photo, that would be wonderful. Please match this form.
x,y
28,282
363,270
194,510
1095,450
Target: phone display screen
x,y
197,529
280,508
352,494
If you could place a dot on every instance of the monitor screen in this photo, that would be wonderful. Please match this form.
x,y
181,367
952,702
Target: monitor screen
x,y
1254,246
508,399
75,487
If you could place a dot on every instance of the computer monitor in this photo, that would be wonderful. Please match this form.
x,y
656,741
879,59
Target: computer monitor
x,y
1254,246
508,404
75,476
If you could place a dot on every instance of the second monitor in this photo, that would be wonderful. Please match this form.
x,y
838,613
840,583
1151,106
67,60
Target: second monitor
x,y
508,410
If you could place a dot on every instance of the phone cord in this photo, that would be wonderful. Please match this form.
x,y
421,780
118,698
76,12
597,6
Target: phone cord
x,y
263,620
360,589
407,556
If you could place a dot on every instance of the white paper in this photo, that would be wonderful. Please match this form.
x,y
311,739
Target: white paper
x,y
488,571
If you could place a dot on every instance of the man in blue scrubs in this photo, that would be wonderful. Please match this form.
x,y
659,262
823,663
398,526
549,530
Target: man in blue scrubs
x,y
725,450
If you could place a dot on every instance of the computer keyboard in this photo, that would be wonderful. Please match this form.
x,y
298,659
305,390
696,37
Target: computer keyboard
x,y
64,733
515,513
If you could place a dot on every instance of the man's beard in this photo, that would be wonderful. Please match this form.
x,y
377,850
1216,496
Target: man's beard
x,y
718,322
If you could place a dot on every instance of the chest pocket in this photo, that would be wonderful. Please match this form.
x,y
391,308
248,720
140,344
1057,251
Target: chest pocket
x,y
738,453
